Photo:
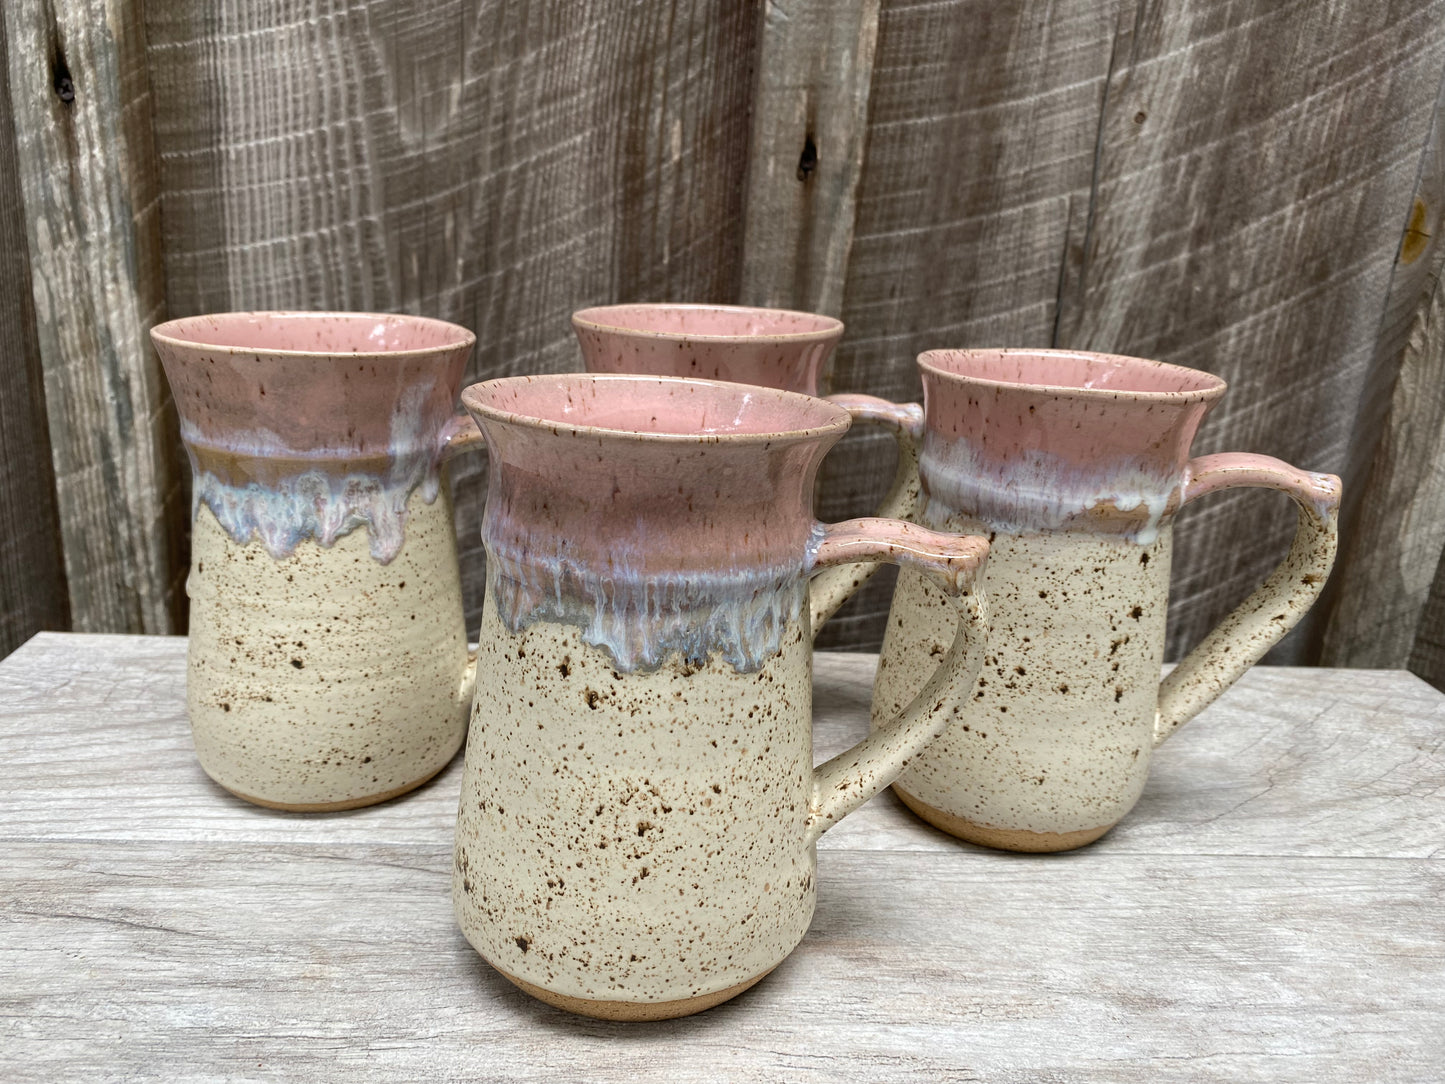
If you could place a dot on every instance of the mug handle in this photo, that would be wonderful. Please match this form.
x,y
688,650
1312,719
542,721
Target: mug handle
x,y
1242,638
953,562
835,586
460,435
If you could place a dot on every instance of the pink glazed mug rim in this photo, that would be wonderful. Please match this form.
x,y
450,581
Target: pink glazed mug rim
x,y
596,318
479,398
1195,385
187,332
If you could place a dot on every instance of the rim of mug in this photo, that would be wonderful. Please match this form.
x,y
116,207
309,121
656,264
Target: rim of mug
x,y
840,422
1214,390
466,339
585,318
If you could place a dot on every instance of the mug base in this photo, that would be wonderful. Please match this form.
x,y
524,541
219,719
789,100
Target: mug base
x,y
635,1011
1000,839
333,807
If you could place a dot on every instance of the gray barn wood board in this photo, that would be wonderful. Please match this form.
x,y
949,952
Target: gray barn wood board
x,y
495,164
32,568
810,117
79,94
1223,185
1396,486
1268,912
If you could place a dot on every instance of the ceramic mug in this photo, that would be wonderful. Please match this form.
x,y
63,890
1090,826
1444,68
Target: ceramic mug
x,y
1074,465
772,348
639,808
327,661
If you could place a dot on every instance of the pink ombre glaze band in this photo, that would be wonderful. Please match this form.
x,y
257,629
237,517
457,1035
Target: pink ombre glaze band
x,y
1056,440
312,424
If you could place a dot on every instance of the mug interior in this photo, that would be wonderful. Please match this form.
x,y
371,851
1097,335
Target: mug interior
x,y
1073,371
707,321
316,332
655,406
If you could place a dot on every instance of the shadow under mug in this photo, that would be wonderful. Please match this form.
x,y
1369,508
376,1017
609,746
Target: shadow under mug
x,y
772,348
327,662
639,812
1073,465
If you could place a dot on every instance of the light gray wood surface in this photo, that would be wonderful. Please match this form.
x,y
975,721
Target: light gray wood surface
x,y
1270,911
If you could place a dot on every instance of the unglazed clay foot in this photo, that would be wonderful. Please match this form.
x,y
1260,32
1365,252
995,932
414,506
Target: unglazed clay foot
x,y
637,1011
1003,839
350,803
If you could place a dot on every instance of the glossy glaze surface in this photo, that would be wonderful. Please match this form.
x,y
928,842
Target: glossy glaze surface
x,y
635,838
772,348
311,425
328,664
1074,465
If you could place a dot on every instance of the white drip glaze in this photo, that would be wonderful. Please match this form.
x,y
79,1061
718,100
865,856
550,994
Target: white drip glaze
x,y
317,503
739,614
1037,491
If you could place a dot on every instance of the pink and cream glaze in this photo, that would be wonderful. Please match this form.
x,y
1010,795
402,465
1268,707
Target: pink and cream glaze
x,y
327,661
771,348
1074,465
636,831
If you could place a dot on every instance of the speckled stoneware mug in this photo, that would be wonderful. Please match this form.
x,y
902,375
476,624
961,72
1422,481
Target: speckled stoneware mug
x,y
773,348
639,808
1074,465
327,664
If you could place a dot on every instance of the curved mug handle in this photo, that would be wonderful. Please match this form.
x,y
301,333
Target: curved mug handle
x,y
1258,623
954,563
835,586
460,435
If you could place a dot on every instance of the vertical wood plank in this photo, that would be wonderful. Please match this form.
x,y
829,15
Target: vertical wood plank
x,y
1255,161
1392,551
980,149
495,164
32,570
810,115
80,97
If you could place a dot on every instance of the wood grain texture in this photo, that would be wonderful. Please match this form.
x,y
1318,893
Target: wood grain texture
x,y
1256,161
981,139
809,119
1397,453
495,164
1268,912
1427,654
32,569
81,102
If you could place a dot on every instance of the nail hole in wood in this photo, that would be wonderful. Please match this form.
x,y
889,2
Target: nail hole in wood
x,y
60,78
809,159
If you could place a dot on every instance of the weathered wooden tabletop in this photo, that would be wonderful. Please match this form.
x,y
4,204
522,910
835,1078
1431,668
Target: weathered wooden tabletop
x,y
1272,910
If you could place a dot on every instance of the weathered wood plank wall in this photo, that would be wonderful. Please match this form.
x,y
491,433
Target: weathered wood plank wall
x,y
1220,184
80,104
32,569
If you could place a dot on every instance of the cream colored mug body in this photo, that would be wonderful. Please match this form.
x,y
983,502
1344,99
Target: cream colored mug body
x,y
635,838
327,662
1073,465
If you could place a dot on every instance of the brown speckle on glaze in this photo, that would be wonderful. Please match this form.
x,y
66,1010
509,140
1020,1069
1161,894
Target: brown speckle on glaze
x,y
636,832
1074,465
771,348
327,655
